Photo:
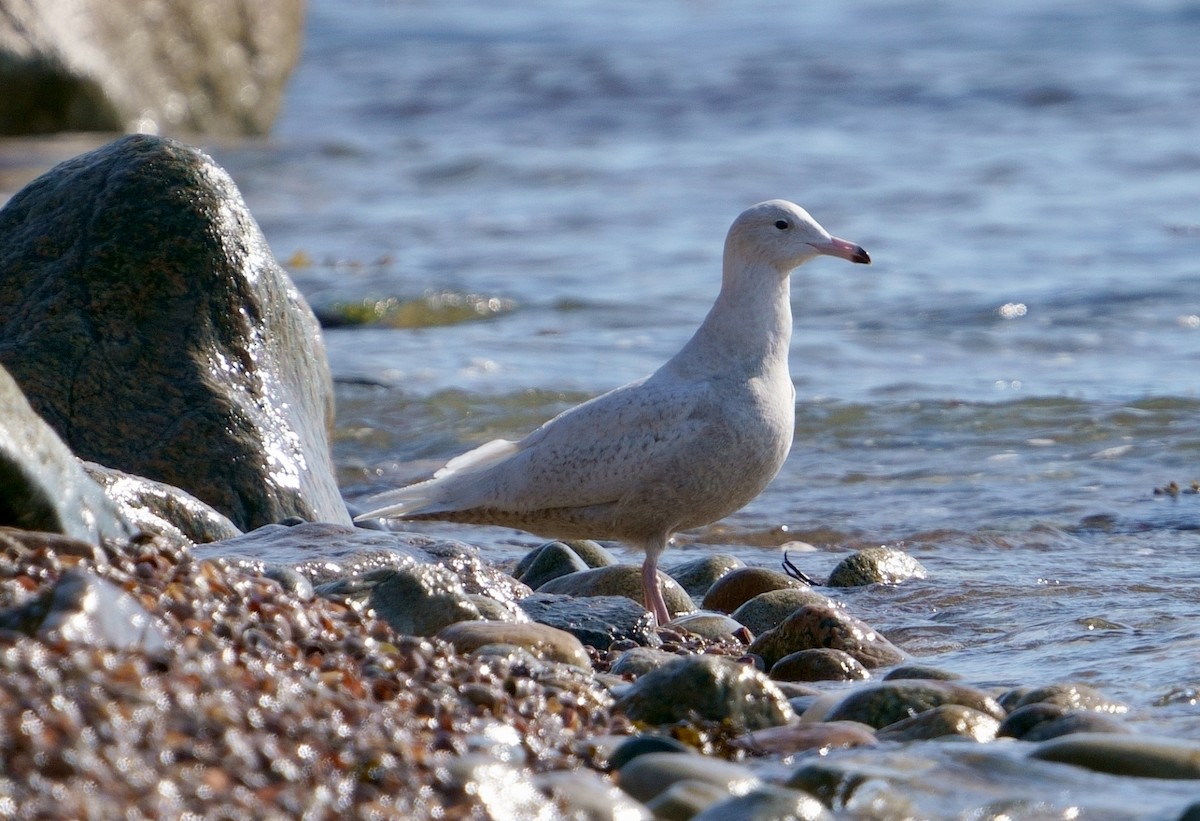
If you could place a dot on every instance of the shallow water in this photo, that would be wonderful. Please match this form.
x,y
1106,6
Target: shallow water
x,y
1000,393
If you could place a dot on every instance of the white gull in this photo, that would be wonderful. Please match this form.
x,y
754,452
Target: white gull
x,y
688,445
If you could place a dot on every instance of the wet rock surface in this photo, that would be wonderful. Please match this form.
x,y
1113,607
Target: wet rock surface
x,y
618,580
875,565
146,321
817,626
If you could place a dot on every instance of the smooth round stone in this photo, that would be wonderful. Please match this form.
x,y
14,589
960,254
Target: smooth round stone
x,y
767,802
593,553
1074,722
1129,755
638,661
651,774
421,599
941,722
920,671
797,738
549,562
737,587
767,610
684,800
696,576
819,664
711,626
543,641
815,626
887,702
1072,696
644,744
1019,722
875,565
619,580
706,687
583,794
492,610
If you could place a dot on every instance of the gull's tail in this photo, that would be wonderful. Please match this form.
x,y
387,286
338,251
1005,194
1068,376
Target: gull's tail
x,y
448,490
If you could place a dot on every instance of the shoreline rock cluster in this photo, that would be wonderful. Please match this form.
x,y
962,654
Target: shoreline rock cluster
x,y
189,624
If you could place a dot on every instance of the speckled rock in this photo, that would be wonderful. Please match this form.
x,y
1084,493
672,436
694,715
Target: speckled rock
x,y
767,610
42,486
767,802
415,599
815,626
712,626
887,702
706,687
947,720
819,664
875,565
549,562
159,508
597,621
649,775
85,608
797,738
1072,696
1129,755
141,258
697,575
543,641
738,586
619,580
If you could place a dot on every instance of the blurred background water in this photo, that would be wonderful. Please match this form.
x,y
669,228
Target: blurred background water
x,y
544,188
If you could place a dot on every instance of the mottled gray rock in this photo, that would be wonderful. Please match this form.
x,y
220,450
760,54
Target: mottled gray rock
x,y
1072,696
708,688
815,626
738,586
637,661
155,507
619,580
208,66
887,702
42,485
598,620
85,608
1129,755
143,316
549,562
415,599
543,641
767,610
767,802
819,664
875,565
696,576
712,626
946,720
649,775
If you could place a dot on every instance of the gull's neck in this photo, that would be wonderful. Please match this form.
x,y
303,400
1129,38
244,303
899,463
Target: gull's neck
x,y
749,327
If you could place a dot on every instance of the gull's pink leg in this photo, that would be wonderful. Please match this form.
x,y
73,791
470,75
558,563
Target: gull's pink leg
x,y
651,590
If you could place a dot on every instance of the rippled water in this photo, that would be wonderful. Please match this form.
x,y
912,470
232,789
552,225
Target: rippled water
x,y
1000,393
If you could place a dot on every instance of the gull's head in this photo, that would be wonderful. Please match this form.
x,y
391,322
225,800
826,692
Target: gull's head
x,y
782,235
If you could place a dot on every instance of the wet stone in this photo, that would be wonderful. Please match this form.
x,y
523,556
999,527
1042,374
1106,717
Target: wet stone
x,y
875,565
738,586
920,671
644,744
415,599
549,562
887,702
598,621
940,722
1072,696
638,661
819,664
707,688
651,774
618,580
685,799
585,795
767,802
1128,755
814,626
767,610
791,739
696,576
712,626
543,641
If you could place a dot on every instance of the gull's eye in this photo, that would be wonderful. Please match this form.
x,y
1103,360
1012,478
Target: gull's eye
x,y
782,225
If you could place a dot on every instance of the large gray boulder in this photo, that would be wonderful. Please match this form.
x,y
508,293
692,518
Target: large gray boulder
x,y
204,66
147,322
42,485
